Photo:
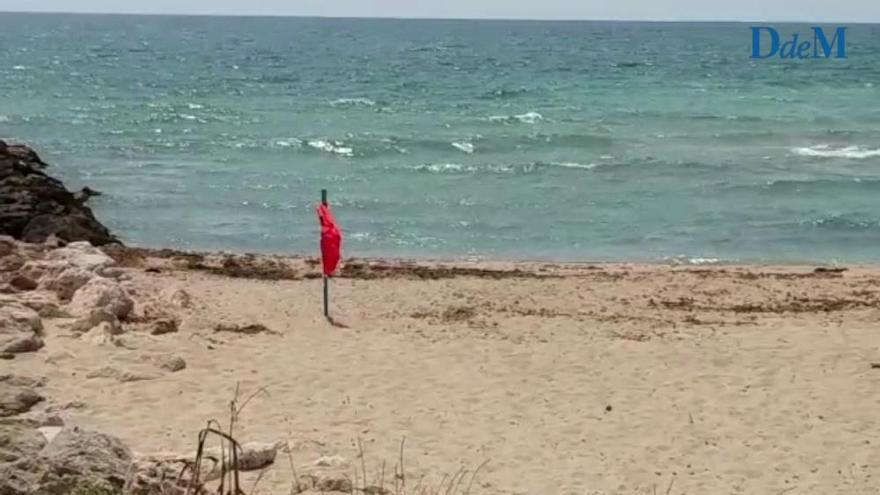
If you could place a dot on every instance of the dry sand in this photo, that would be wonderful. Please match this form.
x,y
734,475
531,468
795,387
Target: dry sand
x,y
568,379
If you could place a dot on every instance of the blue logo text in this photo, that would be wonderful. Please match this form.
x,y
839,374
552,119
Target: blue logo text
x,y
767,43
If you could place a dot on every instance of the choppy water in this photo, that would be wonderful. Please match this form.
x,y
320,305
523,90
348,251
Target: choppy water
x,y
569,140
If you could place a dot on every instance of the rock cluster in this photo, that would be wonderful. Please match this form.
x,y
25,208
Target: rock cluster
x,y
77,280
35,206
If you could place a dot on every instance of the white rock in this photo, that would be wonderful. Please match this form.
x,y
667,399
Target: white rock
x,y
179,298
83,255
102,335
95,318
50,432
102,292
66,282
331,461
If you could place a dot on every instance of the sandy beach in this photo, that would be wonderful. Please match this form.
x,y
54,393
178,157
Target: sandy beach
x,y
566,378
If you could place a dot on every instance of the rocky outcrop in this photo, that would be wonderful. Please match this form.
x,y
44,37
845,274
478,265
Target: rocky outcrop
x,y
35,206
75,461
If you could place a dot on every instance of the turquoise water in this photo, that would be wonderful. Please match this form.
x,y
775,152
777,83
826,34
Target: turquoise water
x,y
498,139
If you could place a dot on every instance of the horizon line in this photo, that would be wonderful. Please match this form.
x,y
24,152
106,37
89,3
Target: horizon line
x,y
428,18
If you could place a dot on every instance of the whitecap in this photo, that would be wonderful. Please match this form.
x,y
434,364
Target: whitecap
x,y
351,102
439,168
525,118
585,166
288,143
465,147
826,151
4,118
334,147
194,106
19,67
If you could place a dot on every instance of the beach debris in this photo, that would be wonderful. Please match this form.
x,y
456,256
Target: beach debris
x,y
875,366
102,292
827,270
252,329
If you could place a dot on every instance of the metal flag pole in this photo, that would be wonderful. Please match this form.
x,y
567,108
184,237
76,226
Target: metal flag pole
x,y
326,281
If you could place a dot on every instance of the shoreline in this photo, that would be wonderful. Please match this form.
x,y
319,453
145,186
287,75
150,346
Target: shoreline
x,y
503,261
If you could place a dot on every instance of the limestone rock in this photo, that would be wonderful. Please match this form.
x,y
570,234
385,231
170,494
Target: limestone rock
x,y
18,439
102,292
20,328
163,326
17,395
82,255
171,363
102,335
78,459
66,282
179,298
124,376
11,262
97,317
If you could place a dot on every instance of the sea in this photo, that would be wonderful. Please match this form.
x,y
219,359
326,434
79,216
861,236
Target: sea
x,y
459,139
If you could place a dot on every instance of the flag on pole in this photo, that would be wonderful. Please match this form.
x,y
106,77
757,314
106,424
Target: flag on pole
x,y
331,239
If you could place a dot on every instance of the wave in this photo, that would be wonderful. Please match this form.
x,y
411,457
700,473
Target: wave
x,y
523,168
843,222
464,146
441,168
504,93
352,102
525,118
827,151
337,147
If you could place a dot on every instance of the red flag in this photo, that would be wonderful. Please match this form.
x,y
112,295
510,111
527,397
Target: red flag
x,y
331,239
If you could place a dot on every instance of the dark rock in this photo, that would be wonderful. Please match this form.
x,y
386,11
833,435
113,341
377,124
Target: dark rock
x,y
24,283
164,326
35,206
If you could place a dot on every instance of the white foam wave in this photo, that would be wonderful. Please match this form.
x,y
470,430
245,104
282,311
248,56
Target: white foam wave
x,y
287,143
525,118
826,151
585,166
337,147
4,118
464,146
440,168
351,102
194,106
